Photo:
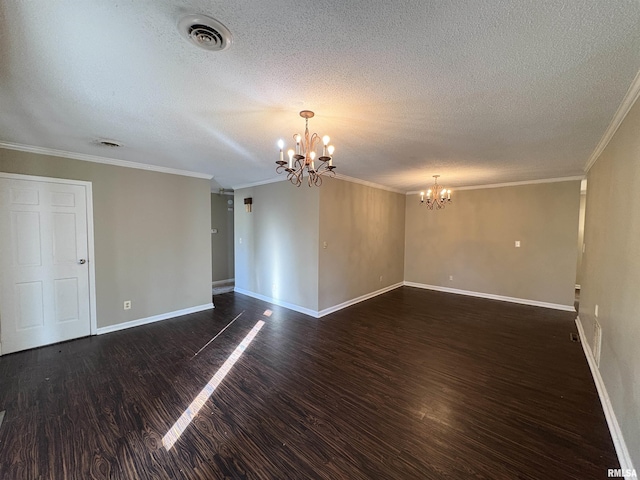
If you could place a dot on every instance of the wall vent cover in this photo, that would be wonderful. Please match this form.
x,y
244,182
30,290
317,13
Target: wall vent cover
x,y
205,32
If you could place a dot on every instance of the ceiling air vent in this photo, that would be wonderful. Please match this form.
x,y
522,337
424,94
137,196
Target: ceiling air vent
x,y
108,143
205,32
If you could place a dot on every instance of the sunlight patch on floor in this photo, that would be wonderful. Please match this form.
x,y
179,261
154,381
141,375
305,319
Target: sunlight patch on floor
x,y
192,410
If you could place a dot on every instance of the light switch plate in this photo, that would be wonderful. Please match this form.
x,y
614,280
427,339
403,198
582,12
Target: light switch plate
x,y
517,243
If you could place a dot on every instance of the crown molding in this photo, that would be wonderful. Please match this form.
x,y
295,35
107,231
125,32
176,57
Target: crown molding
x,y
337,177
257,184
513,184
104,160
627,102
346,178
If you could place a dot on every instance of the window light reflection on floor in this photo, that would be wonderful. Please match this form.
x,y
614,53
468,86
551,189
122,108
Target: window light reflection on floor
x,y
192,410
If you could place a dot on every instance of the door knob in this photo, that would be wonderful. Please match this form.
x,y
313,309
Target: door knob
x,y
82,261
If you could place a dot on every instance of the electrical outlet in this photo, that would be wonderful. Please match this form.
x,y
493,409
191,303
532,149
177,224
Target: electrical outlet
x,y
214,230
127,304
324,244
240,241
517,243
596,310
450,277
380,278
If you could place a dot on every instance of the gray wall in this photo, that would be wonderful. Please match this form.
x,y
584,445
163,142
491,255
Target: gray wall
x,y
276,245
611,273
222,256
364,231
151,234
473,240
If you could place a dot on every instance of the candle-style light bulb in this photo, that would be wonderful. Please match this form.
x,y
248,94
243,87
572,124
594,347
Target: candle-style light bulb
x,y
331,149
281,145
312,155
422,196
325,142
448,194
429,194
290,153
298,137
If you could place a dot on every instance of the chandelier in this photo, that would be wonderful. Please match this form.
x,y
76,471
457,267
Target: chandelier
x,y
303,158
437,196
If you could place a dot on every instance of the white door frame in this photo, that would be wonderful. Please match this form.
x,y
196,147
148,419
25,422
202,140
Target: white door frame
x,y
91,260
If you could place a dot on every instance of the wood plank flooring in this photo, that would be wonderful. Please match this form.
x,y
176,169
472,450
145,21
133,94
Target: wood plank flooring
x,y
410,384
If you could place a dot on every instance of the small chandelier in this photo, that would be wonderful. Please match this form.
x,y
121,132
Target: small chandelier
x,y
304,157
437,196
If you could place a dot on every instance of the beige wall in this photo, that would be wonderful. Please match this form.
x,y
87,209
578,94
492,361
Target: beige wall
x,y
364,231
222,256
581,216
278,256
473,240
611,273
151,234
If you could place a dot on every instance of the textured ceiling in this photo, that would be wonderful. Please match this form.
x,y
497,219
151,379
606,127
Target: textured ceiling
x,y
477,91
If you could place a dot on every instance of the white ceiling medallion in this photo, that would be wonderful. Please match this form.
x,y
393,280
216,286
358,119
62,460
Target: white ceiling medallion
x,y
205,32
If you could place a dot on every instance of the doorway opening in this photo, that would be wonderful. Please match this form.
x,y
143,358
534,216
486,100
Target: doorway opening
x,y
581,245
222,247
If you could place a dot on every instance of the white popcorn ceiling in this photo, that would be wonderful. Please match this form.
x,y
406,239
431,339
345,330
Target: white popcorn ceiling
x,y
480,92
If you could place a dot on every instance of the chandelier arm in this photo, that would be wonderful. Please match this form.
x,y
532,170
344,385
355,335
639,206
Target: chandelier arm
x,y
315,138
307,151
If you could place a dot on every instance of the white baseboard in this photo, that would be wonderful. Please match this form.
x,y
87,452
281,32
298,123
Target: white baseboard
x,y
359,299
290,306
155,318
616,434
315,313
222,282
491,296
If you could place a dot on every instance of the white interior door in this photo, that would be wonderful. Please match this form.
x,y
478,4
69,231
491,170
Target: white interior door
x,y
44,284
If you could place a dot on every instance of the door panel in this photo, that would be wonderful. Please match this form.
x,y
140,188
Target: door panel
x,y
26,238
44,288
64,238
30,311
66,299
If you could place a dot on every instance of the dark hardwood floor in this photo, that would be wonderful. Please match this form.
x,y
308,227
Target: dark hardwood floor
x,y
410,384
